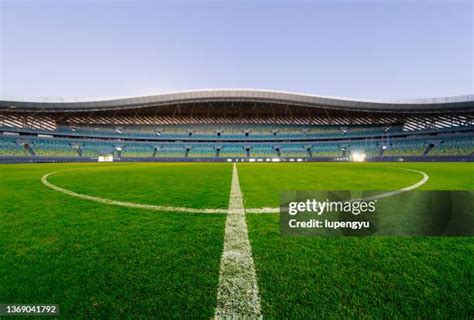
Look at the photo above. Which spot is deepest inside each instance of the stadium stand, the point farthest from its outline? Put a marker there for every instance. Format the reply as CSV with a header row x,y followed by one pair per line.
x,y
53,147
454,145
9,147
235,132
76,147
404,147
85,147
222,124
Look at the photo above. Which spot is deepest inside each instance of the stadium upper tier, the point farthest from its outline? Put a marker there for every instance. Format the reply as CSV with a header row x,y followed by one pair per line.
x,y
228,107
229,132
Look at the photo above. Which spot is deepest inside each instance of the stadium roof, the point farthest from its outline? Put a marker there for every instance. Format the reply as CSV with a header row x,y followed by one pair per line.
x,y
435,105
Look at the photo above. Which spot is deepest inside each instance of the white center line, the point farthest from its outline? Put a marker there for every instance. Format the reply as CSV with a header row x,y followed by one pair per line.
x,y
237,293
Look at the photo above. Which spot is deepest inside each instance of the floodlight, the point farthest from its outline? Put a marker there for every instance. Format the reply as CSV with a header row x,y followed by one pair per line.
x,y
358,157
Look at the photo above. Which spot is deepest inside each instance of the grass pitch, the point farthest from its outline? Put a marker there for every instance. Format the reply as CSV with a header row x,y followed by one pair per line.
x,y
262,183
168,184
379,278
102,261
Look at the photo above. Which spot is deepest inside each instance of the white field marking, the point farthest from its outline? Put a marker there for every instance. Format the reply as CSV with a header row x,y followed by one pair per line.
x,y
193,210
378,196
393,193
237,293
263,210
44,180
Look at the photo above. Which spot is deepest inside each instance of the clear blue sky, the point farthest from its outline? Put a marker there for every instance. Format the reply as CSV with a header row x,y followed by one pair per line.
x,y
372,49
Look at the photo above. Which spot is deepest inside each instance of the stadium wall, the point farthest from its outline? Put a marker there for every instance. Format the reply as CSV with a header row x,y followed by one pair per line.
x,y
39,159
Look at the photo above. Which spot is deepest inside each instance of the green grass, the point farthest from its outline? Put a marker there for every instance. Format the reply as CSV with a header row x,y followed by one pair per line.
x,y
262,183
100,261
171,184
375,278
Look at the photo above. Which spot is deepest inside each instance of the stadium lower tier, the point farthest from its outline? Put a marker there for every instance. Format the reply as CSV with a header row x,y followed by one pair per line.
x,y
60,147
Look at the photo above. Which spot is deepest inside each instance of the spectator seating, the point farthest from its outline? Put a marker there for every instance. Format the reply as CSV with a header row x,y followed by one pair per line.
x,y
9,147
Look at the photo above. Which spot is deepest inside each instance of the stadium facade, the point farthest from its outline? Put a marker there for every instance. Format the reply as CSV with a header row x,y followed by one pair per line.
x,y
243,125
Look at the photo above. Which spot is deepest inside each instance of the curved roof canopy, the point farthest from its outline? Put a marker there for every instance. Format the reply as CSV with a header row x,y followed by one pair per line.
x,y
433,105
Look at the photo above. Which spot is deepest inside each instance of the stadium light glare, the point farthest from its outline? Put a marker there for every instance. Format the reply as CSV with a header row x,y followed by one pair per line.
x,y
358,157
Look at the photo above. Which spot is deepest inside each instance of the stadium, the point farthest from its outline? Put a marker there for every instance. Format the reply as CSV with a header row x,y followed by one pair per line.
x,y
244,125
166,206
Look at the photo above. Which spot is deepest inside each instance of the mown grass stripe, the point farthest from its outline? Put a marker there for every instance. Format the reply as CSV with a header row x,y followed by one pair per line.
x,y
237,293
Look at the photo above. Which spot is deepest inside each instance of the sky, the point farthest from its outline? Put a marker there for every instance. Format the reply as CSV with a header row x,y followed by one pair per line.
x,y
379,49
